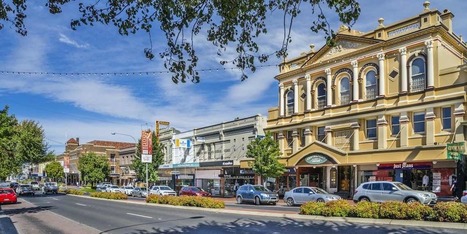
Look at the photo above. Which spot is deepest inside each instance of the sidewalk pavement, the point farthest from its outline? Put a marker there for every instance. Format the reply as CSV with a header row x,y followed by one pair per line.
x,y
6,225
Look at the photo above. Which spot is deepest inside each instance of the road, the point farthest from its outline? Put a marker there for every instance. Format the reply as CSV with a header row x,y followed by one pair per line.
x,y
102,216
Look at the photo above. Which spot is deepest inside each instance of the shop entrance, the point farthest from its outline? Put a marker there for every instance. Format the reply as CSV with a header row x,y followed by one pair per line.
x,y
312,177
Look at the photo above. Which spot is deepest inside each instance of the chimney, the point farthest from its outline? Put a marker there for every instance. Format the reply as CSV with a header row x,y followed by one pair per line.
x,y
446,18
77,140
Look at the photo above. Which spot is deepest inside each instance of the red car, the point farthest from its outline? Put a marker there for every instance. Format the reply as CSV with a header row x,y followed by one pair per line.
x,y
7,195
193,191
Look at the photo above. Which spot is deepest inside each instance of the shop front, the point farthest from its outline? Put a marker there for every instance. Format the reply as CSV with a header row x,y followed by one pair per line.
x,y
183,174
235,177
211,177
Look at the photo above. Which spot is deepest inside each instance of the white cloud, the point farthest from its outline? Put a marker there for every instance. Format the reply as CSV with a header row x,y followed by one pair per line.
x,y
63,38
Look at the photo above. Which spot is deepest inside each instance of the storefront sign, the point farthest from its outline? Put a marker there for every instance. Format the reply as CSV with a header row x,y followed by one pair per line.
x,y
239,177
405,166
165,166
185,177
217,163
316,159
455,150
245,171
179,165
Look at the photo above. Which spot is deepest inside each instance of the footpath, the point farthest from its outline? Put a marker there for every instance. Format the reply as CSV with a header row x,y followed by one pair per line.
x,y
26,216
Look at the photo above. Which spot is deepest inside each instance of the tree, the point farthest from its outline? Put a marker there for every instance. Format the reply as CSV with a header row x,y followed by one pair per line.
x,y
30,146
157,160
9,164
94,168
225,23
54,170
266,153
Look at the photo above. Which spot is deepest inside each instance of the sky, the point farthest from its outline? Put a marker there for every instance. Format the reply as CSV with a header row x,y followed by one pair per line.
x,y
91,107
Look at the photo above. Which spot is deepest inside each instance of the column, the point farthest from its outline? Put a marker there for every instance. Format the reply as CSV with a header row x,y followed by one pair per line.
x,y
281,99
296,141
430,66
328,87
403,52
459,113
430,126
355,136
355,80
281,141
404,130
382,77
308,92
295,92
382,132
308,136
328,131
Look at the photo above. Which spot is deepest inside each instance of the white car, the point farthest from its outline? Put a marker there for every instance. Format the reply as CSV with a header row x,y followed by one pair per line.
x,y
162,190
464,198
114,189
128,189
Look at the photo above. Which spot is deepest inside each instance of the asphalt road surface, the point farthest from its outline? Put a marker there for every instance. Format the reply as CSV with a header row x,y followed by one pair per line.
x,y
102,216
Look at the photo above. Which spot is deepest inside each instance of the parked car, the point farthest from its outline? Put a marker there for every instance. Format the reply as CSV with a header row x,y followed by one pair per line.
x,y
193,191
381,191
114,189
50,187
139,192
162,190
7,195
35,185
464,197
127,190
25,189
300,195
4,184
257,194
102,187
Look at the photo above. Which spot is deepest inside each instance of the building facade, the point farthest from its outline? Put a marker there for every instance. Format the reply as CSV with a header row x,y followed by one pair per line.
x,y
388,104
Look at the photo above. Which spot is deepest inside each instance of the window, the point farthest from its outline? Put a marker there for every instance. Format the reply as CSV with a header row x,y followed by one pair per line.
x,y
345,91
290,102
298,190
289,138
306,190
419,122
388,187
302,137
321,134
370,85
395,125
371,129
446,118
321,96
376,186
418,75
112,169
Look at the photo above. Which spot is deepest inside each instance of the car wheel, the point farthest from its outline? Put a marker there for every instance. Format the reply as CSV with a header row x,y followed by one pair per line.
x,y
274,203
257,201
411,200
364,199
239,200
320,200
290,201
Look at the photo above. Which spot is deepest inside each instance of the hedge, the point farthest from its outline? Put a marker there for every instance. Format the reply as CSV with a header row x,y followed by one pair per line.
x,y
204,202
107,195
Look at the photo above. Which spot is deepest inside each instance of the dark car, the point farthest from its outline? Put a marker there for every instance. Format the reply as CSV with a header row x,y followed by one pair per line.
x,y
25,189
257,194
193,191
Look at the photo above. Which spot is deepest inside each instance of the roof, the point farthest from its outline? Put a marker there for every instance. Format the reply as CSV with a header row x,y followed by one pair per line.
x,y
72,141
116,144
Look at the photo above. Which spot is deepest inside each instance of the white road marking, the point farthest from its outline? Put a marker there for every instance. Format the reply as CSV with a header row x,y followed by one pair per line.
x,y
80,204
53,198
143,216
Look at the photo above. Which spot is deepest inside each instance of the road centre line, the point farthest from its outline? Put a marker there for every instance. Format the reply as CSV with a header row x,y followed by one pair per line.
x,y
143,216
80,204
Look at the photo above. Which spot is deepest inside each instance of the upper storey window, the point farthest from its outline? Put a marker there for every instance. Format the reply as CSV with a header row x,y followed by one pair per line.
x,y
290,102
321,96
418,75
345,91
371,85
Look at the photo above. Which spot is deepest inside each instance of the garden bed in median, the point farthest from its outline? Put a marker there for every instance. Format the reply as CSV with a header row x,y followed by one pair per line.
x,y
204,202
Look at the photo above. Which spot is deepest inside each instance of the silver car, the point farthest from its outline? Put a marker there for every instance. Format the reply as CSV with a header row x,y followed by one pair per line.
x,y
300,195
381,191
162,190
139,192
257,194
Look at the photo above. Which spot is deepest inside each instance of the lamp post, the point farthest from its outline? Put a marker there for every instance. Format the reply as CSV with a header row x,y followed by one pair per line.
x,y
136,143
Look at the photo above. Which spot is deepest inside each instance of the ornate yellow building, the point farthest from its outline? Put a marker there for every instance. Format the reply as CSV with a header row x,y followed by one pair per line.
x,y
380,105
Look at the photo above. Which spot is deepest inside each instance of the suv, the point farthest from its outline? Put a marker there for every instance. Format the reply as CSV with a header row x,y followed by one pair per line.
x,y
257,194
381,191
162,190
50,187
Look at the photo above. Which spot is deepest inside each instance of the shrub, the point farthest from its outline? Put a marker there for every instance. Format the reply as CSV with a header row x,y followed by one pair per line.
x,y
74,191
418,211
366,209
393,210
339,208
204,202
450,212
312,208
107,195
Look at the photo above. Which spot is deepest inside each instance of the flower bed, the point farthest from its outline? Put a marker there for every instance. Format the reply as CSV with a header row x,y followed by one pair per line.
x,y
443,211
205,202
106,195
73,191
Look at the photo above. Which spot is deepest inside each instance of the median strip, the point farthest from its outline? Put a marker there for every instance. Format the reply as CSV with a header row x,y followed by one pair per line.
x,y
143,216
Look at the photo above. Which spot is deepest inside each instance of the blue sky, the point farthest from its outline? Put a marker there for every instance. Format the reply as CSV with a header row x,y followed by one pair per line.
x,y
92,106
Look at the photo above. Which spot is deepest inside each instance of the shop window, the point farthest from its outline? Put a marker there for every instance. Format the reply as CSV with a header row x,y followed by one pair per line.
x,y
321,134
371,129
418,75
419,122
395,125
321,96
290,102
289,138
371,88
333,178
345,91
446,115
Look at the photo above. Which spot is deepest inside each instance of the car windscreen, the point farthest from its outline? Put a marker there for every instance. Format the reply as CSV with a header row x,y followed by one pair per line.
x,y
164,188
24,186
260,188
402,186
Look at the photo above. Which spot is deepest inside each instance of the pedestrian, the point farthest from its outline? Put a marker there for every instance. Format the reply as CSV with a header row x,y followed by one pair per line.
x,y
454,186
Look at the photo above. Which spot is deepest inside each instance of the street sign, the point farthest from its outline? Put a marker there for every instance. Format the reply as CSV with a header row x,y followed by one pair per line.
x,y
175,173
146,158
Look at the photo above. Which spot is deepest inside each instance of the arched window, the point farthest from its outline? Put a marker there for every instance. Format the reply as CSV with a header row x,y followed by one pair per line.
x,y
418,75
321,96
371,89
345,91
290,102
